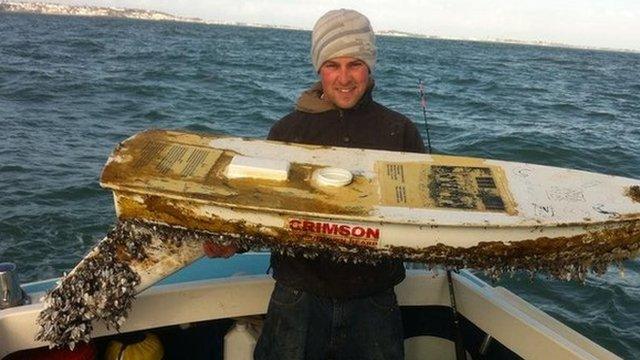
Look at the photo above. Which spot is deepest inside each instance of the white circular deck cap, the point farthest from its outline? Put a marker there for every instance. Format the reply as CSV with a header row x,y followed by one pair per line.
x,y
333,177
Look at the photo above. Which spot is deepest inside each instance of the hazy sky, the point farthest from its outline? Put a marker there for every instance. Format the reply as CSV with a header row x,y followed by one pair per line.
x,y
601,23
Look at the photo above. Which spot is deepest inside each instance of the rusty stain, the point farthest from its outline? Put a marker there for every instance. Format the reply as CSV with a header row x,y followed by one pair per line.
x,y
563,257
295,194
634,193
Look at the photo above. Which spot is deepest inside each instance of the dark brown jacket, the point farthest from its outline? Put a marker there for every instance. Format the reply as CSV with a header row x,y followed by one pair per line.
x,y
368,125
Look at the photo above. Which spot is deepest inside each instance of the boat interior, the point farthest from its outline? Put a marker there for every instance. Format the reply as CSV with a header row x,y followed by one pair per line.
x,y
191,311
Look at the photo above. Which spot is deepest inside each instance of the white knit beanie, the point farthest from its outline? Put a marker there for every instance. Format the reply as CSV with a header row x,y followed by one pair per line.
x,y
343,32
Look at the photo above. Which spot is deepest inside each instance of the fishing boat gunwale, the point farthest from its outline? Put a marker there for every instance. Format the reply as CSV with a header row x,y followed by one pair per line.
x,y
209,290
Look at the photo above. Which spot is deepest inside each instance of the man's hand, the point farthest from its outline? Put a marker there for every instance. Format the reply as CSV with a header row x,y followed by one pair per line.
x,y
213,250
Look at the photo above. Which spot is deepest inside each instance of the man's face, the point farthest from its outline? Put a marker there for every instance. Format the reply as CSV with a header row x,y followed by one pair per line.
x,y
344,80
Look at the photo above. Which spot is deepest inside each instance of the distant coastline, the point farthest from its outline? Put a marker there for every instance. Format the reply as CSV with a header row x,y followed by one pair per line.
x,y
503,41
91,11
140,14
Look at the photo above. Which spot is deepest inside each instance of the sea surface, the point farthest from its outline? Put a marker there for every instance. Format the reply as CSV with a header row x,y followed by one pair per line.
x,y
71,88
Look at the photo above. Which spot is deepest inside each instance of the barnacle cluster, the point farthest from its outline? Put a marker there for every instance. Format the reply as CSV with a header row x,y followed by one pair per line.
x,y
563,258
103,285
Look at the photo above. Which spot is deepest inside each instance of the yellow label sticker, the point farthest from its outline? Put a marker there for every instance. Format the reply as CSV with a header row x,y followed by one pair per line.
x,y
430,185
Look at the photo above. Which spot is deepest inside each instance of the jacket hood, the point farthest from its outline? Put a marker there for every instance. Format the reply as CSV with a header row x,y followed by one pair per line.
x,y
311,100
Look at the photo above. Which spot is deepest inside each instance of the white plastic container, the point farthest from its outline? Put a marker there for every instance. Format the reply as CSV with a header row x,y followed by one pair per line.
x,y
258,168
240,341
332,176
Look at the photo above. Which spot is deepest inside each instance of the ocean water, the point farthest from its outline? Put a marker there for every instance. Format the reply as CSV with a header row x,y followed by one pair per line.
x,y
71,88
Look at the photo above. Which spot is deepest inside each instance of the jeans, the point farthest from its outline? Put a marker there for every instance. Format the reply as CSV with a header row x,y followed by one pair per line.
x,y
300,325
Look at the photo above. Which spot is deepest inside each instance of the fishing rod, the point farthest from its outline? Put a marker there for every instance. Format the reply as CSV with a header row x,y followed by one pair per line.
x,y
423,104
457,331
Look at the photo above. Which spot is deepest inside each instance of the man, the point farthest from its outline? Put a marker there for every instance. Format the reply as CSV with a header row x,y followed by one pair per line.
x,y
321,309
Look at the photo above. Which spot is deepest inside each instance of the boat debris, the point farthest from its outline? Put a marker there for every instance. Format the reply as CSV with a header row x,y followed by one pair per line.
x,y
103,286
